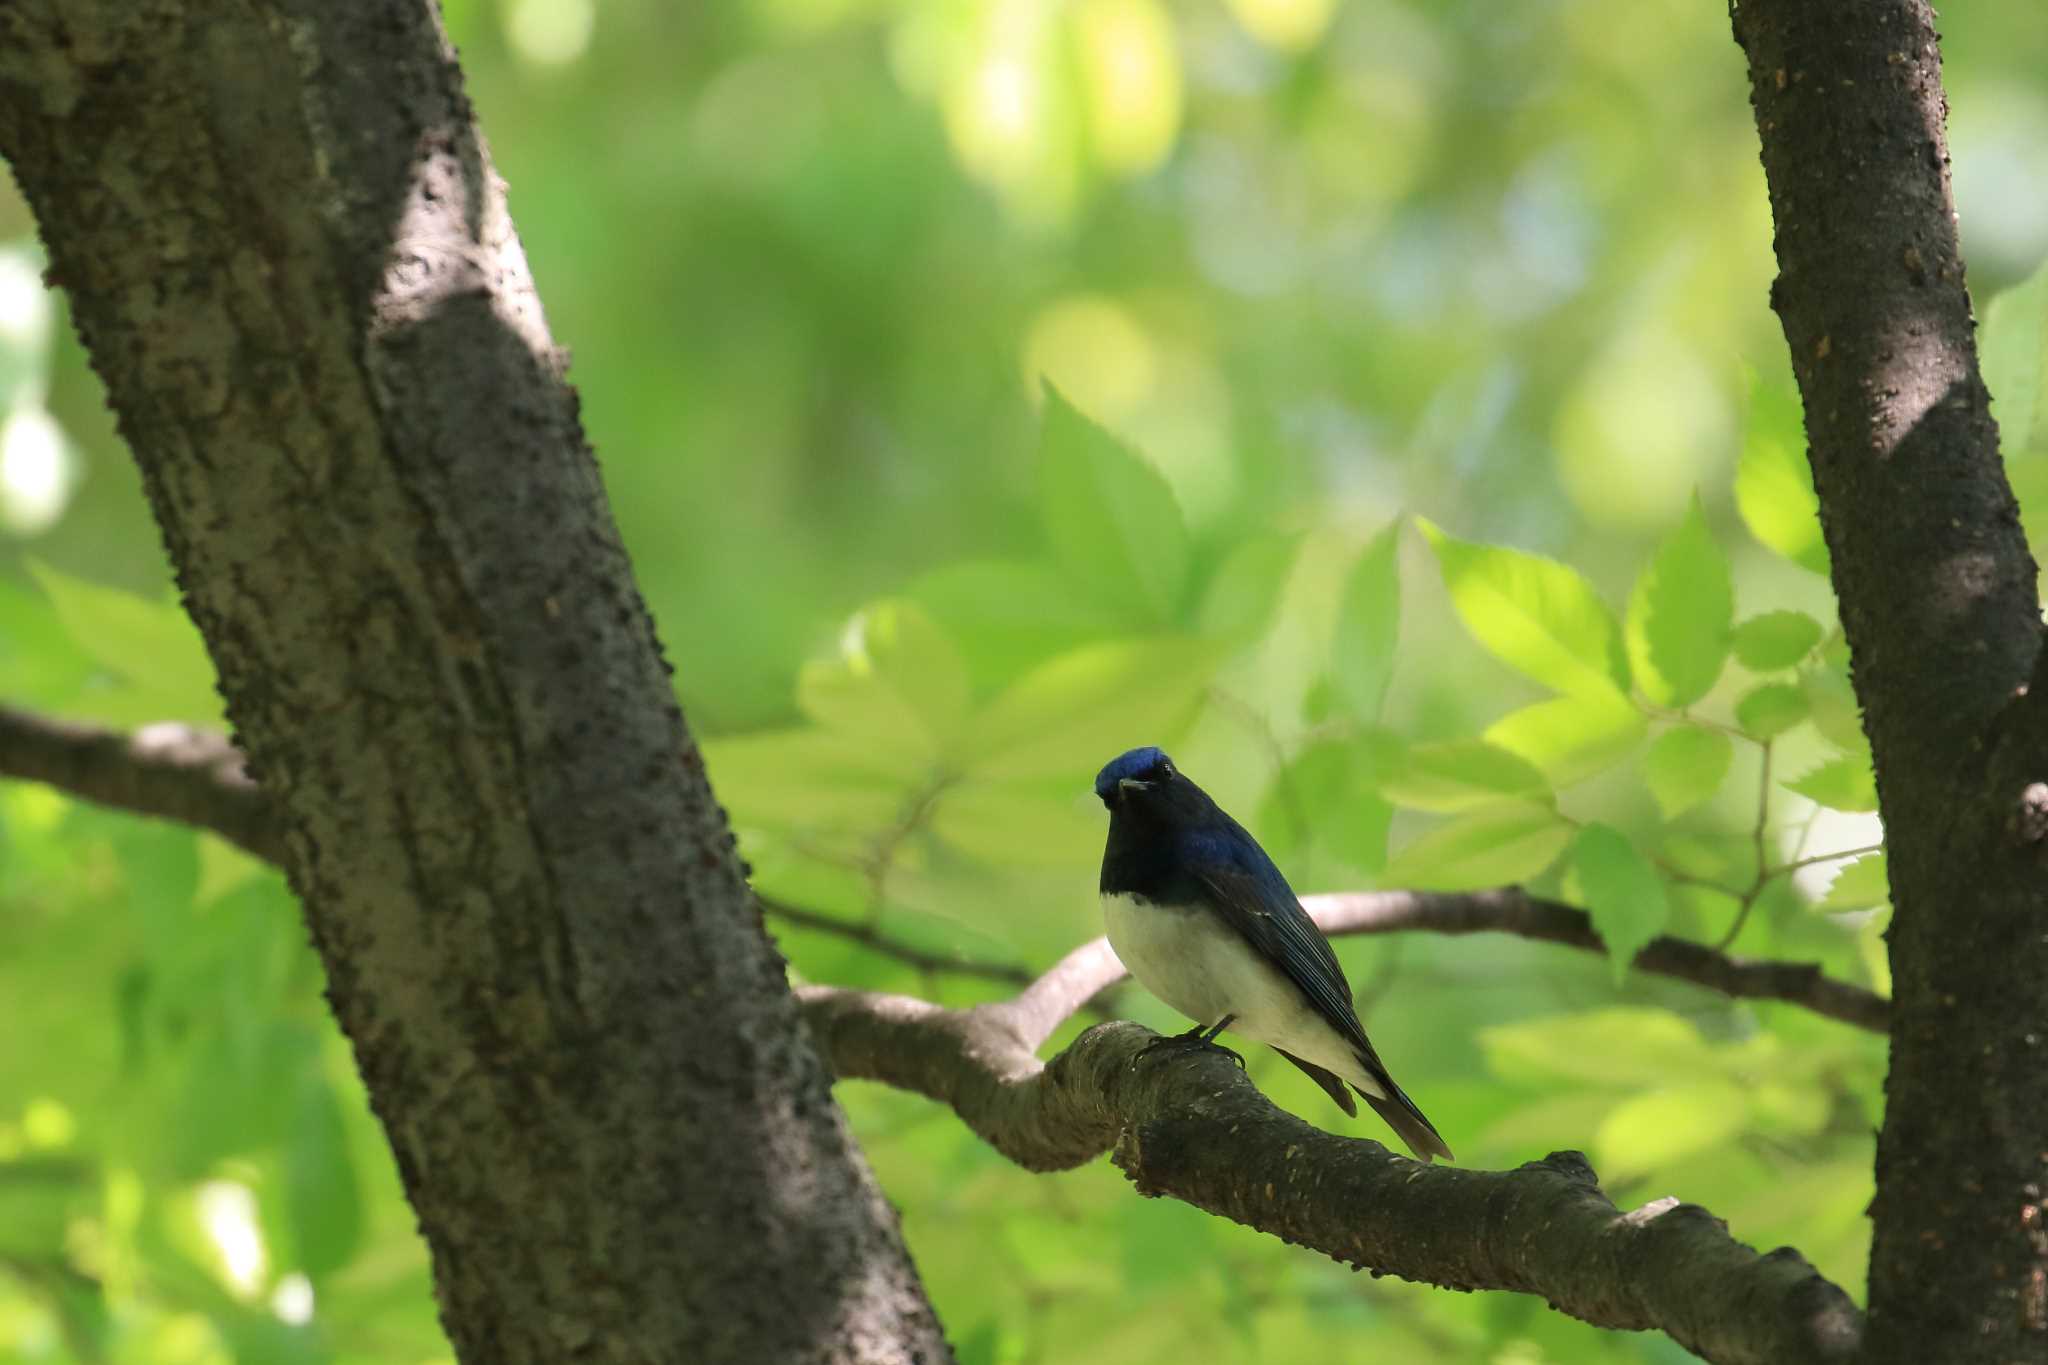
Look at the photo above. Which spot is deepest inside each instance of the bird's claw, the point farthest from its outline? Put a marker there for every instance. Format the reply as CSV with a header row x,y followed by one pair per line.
x,y
1193,1038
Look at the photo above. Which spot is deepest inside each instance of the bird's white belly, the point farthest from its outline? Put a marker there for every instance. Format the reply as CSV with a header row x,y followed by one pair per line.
x,y
1198,964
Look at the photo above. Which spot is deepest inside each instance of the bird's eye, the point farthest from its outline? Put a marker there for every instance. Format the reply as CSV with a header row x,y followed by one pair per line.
x,y
1166,767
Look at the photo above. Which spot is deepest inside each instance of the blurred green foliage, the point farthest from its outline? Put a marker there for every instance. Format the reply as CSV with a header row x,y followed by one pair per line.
x,y
1296,273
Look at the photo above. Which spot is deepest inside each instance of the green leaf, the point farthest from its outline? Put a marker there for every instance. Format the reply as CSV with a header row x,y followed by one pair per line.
x,y
1679,613
151,646
1770,710
40,664
1773,482
1859,884
1619,1048
1368,621
1461,774
1624,894
1112,520
1019,823
1068,717
1005,616
322,1193
1832,699
1570,739
2015,364
1649,1131
799,779
898,683
1243,595
1498,847
1686,766
1534,614
2027,472
1325,803
1726,858
1846,783
1776,639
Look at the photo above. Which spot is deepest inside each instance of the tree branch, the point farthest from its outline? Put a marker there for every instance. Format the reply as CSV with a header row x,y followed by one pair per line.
x,y
171,771
894,949
198,781
1189,1125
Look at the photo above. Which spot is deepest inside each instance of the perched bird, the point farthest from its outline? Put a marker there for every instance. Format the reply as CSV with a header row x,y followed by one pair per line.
x,y
1204,920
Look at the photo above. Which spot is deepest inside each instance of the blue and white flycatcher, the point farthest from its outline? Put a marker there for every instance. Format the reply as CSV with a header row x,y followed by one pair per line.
x,y
1206,922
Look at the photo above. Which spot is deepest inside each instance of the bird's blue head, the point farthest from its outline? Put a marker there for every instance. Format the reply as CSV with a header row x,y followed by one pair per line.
x,y
1146,765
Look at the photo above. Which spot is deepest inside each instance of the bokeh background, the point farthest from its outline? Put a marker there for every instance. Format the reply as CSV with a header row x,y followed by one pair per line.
x,y
1309,270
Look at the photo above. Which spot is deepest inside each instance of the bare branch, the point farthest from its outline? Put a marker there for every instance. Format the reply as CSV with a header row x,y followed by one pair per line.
x,y
1510,911
1189,1125
170,771
177,773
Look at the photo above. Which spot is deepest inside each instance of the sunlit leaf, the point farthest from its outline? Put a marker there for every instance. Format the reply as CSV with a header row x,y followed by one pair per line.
x,y
1770,710
1624,894
40,663
1859,884
151,646
1832,699
1113,521
1244,593
898,683
1020,822
1499,846
1535,614
1570,739
1620,1048
1651,1131
1846,783
1686,766
1007,615
1461,774
1679,613
1773,483
2027,472
1776,639
1725,858
322,1194
1800,1110
1326,802
794,778
2014,363
1362,651
1070,716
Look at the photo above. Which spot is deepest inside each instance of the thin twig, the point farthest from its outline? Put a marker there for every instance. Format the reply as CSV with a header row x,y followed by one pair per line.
x,y
870,937
185,775
1760,836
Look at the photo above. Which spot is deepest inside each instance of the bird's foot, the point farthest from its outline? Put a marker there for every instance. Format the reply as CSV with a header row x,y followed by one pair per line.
x,y
1197,1037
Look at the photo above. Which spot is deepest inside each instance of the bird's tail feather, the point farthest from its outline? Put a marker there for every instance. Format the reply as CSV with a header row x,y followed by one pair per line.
x,y
1332,1087
1404,1118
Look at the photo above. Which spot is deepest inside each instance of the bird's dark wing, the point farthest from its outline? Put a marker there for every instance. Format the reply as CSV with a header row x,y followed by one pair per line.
x,y
1258,903
1256,900
1242,882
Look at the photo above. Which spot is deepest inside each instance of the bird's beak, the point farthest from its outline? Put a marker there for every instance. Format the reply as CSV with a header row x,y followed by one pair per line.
x,y
1131,784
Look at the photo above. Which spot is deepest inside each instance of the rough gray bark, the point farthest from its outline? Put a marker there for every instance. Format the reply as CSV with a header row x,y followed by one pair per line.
x,y
291,263
1938,600
1190,1126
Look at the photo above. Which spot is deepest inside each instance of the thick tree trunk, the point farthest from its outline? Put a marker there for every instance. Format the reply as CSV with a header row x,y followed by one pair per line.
x,y
291,262
1938,599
